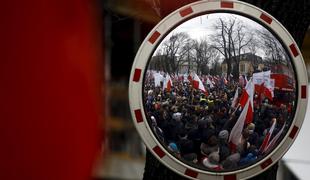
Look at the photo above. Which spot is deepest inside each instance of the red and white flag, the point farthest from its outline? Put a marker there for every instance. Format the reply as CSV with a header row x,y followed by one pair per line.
x,y
167,83
248,95
210,83
264,85
265,143
274,140
236,132
197,84
269,88
235,100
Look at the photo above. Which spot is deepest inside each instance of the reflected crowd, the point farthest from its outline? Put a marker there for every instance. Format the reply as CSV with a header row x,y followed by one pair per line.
x,y
201,127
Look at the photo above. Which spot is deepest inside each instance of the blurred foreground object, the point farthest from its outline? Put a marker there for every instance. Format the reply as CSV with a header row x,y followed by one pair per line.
x,y
50,90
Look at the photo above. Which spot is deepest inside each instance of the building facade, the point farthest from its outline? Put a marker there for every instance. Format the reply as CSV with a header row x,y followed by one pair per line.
x,y
248,63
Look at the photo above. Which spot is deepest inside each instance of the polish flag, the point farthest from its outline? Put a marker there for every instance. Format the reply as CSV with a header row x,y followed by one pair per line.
x,y
265,90
248,95
197,84
234,101
167,83
265,143
269,88
236,132
210,83
264,85
274,140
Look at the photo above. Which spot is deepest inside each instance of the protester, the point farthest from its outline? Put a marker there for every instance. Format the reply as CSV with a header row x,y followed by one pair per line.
x,y
211,124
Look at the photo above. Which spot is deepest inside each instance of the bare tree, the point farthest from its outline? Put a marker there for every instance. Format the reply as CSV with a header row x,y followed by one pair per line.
x,y
231,39
215,68
221,41
186,55
159,62
272,47
204,54
240,39
253,45
174,49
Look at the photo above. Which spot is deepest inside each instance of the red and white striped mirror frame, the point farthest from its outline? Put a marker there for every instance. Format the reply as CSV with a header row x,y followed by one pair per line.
x,y
140,65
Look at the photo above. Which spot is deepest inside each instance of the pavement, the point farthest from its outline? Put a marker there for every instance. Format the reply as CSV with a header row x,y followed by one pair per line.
x,y
297,159
120,166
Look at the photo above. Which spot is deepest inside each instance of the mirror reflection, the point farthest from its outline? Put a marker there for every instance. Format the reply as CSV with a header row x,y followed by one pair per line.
x,y
220,92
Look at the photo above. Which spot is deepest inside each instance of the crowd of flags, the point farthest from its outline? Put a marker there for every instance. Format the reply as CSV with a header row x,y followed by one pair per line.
x,y
260,83
198,82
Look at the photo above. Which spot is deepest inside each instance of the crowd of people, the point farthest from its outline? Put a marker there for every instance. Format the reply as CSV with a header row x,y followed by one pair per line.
x,y
195,126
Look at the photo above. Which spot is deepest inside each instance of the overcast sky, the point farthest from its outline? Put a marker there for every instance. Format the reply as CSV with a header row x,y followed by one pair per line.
x,y
202,26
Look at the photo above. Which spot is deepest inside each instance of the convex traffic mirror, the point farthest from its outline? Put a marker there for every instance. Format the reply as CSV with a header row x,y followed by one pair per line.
x,y
218,90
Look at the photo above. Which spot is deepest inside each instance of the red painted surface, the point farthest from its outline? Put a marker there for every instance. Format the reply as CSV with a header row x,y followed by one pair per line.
x,y
159,151
266,18
303,92
138,115
283,81
230,177
137,75
266,163
227,4
154,37
50,90
293,132
186,11
294,50
191,173
169,6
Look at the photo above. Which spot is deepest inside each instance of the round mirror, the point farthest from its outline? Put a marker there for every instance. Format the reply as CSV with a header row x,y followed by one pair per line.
x,y
214,90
